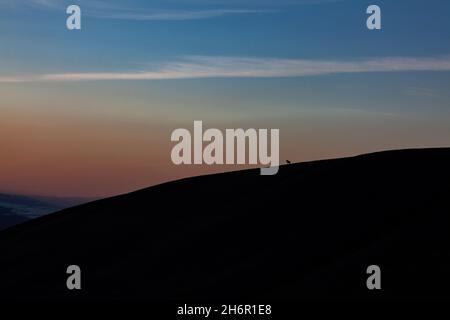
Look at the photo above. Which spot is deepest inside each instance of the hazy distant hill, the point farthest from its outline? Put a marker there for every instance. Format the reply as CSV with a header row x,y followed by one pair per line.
x,y
308,232
9,218
15,209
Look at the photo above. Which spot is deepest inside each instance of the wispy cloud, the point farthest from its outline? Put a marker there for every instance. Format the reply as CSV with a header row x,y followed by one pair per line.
x,y
235,67
254,2
158,15
111,10
109,3
422,92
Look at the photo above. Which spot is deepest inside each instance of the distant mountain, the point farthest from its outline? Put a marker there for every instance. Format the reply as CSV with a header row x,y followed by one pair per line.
x,y
15,209
8,218
309,232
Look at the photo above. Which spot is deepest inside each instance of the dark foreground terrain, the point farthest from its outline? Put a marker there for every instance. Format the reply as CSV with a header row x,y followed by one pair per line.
x,y
309,232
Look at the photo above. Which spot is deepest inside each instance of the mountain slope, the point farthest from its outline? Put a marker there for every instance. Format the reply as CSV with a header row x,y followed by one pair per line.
x,y
308,232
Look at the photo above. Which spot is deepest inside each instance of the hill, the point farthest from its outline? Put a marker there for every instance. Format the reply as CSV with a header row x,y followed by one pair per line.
x,y
309,232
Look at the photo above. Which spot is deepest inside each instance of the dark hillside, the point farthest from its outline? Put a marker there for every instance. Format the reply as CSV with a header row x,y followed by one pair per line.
x,y
310,231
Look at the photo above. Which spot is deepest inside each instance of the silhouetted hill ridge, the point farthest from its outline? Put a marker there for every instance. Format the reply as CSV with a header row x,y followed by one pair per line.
x,y
310,231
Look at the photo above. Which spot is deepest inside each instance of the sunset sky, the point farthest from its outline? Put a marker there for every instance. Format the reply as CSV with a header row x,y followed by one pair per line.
x,y
90,112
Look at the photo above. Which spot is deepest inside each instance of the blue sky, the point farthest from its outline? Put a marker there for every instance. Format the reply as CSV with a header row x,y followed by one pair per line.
x,y
127,35
100,103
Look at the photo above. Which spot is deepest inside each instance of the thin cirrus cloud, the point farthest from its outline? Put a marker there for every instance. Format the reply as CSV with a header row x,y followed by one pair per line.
x,y
235,67
101,9
161,15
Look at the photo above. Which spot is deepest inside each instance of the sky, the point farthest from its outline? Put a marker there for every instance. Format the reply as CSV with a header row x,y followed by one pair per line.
x,y
90,112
